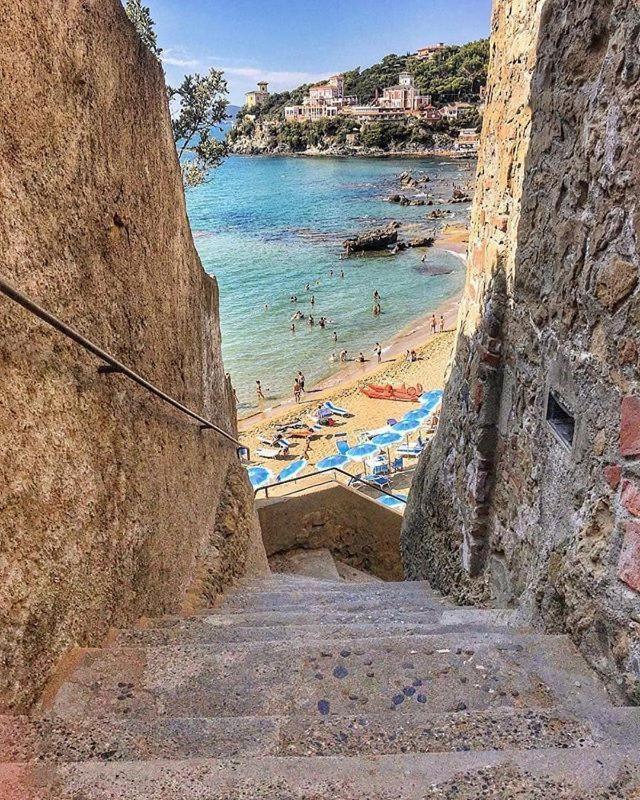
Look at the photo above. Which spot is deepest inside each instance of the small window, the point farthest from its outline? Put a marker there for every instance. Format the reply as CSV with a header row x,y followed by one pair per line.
x,y
560,420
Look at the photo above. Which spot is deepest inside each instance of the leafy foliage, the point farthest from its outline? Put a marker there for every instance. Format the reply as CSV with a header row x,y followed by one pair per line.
x,y
141,17
456,73
202,107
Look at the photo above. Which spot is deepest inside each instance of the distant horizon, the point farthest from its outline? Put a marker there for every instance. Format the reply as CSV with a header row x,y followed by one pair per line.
x,y
290,43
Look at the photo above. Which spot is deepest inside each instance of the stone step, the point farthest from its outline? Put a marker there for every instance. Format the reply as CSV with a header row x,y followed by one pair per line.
x,y
210,630
555,774
353,575
370,599
54,740
308,563
435,673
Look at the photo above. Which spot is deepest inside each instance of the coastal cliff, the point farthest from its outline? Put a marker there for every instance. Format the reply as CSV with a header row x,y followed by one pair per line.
x,y
113,505
528,494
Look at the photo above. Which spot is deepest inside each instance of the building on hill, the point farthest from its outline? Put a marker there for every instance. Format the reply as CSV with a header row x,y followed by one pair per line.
x,y
457,110
403,95
429,52
325,100
468,140
258,96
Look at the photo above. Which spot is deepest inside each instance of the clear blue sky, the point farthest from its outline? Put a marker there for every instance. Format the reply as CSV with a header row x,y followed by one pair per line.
x,y
289,42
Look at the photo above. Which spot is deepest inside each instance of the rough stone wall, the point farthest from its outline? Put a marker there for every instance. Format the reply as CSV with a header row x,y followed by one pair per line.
x,y
357,531
109,500
502,507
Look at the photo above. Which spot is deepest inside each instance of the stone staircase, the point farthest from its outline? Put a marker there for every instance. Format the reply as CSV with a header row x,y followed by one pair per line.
x,y
301,687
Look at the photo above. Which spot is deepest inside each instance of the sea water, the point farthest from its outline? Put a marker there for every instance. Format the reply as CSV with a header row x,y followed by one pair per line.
x,y
266,227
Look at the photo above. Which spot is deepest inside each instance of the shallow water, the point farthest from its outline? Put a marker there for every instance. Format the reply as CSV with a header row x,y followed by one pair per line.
x,y
265,227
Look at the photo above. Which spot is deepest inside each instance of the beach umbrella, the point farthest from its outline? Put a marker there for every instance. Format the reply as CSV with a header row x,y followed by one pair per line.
x,y
387,440
292,469
260,476
330,462
419,414
406,426
362,451
394,503
429,398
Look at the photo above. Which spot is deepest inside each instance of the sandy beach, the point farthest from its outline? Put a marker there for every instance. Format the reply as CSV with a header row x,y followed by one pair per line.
x,y
343,388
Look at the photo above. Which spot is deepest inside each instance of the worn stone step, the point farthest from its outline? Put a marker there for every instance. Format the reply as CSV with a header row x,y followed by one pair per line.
x,y
323,616
308,563
210,629
555,774
434,673
372,600
56,740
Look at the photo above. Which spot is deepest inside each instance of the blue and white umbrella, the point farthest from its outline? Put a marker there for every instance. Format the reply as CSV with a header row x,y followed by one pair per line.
x,y
362,451
419,414
292,469
331,462
431,398
387,439
406,426
260,476
394,503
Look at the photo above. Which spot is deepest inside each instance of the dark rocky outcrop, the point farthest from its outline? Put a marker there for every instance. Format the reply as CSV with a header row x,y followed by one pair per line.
x,y
374,239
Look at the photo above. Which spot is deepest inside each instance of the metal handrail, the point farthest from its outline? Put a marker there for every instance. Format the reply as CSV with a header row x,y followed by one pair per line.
x,y
323,472
113,365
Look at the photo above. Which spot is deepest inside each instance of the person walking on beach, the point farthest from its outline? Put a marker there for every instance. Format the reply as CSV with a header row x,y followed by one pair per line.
x,y
300,380
307,447
296,390
433,324
378,351
259,392
441,324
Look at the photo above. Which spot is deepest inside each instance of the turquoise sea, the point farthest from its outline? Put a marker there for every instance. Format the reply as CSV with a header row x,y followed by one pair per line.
x,y
265,227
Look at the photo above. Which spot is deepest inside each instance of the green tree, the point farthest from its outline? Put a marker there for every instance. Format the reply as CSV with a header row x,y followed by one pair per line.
x,y
202,102
141,17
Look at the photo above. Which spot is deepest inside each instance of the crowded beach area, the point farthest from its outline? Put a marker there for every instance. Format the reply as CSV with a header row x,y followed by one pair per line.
x,y
372,419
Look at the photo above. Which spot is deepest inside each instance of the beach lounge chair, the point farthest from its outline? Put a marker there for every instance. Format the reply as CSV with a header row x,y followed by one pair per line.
x,y
381,481
410,450
398,464
340,412
273,441
270,453
342,446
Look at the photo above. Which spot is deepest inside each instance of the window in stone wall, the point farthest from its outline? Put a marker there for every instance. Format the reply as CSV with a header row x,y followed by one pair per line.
x,y
561,421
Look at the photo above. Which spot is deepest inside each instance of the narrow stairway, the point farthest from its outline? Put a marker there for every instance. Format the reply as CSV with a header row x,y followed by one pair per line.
x,y
301,687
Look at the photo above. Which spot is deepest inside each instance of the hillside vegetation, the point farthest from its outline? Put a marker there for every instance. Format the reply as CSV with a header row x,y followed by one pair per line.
x,y
458,73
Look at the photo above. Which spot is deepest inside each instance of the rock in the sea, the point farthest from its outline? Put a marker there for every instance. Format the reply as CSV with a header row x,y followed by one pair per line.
x,y
374,239
422,241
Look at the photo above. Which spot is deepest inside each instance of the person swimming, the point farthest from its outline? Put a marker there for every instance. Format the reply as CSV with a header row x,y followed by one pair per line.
x,y
335,337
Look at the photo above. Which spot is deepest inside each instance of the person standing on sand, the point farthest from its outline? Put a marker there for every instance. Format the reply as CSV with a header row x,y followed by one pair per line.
x,y
441,324
433,324
307,447
300,380
378,351
259,392
296,391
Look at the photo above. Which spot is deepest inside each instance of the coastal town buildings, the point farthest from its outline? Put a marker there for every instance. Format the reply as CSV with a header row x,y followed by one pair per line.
x,y
325,100
257,96
429,52
328,100
456,110
468,140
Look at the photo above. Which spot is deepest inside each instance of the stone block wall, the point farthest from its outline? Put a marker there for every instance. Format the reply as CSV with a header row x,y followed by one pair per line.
x,y
112,504
530,492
